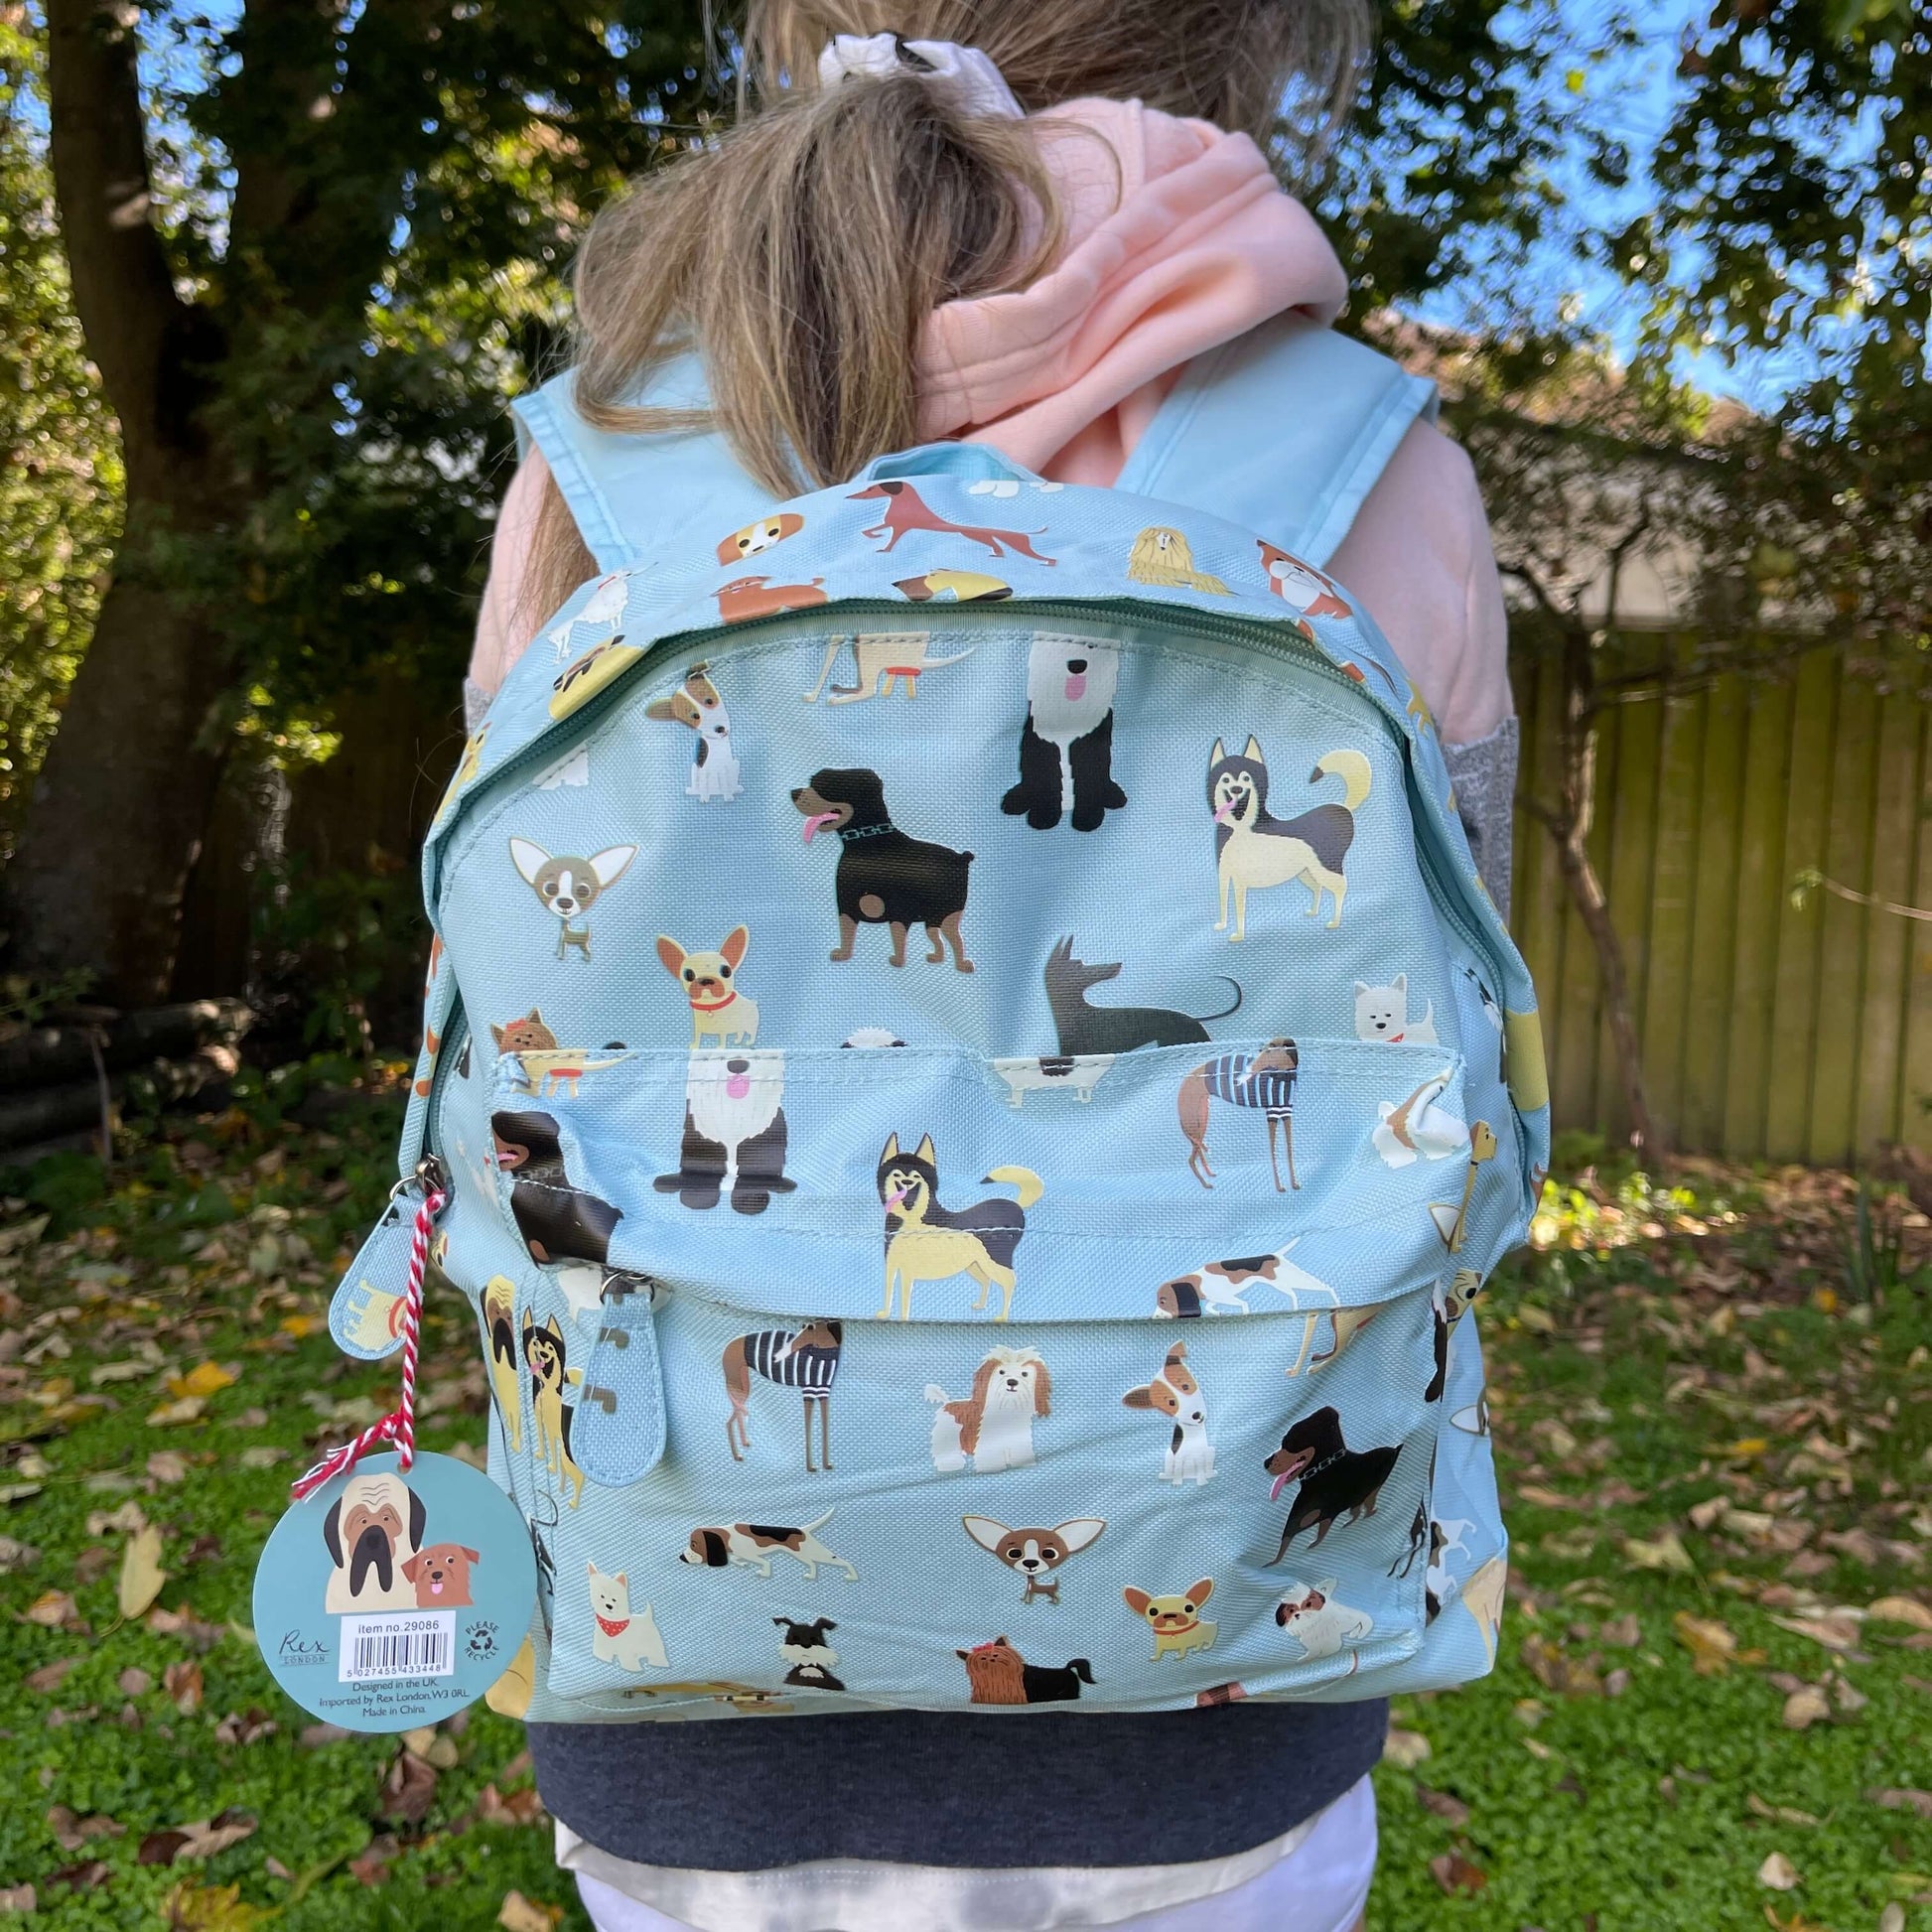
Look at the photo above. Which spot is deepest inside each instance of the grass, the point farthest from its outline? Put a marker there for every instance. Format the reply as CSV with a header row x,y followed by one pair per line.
x,y
1710,1408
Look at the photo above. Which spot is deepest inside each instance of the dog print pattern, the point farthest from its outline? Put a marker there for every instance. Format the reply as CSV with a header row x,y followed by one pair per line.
x,y
593,1410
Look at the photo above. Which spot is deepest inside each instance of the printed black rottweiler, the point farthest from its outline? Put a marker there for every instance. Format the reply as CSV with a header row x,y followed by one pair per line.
x,y
884,876
1335,1481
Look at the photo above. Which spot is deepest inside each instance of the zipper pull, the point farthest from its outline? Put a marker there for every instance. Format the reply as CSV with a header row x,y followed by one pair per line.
x,y
365,1315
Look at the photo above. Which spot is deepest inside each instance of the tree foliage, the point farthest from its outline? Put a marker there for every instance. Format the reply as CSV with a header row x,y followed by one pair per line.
x,y
60,467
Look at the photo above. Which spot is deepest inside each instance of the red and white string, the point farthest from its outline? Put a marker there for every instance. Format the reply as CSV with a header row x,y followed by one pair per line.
x,y
399,1425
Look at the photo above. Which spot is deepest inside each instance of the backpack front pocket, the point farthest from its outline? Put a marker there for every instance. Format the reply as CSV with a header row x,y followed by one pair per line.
x,y
977,1380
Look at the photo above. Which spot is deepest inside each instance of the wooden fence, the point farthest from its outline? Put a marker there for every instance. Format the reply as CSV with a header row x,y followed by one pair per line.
x,y
1770,1029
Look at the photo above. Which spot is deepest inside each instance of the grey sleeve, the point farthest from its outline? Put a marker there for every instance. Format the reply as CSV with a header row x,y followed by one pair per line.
x,y
1485,776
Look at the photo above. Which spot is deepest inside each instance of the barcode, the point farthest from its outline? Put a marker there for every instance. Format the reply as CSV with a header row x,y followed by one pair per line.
x,y
422,1644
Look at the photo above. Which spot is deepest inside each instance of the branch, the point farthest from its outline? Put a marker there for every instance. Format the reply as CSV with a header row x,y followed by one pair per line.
x,y
1524,574
1806,882
123,290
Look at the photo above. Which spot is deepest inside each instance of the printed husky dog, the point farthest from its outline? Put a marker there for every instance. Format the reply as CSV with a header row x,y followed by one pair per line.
x,y
1066,748
734,1132
1084,1029
926,1242
1255,849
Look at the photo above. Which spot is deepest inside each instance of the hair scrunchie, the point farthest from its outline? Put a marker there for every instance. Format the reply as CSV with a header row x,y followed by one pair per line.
x,y
965,74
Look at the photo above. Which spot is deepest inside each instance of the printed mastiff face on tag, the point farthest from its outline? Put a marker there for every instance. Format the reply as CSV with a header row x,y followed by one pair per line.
x,y
387,1602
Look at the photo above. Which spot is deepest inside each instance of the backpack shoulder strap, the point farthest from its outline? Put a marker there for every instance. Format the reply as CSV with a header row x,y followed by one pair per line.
x,y
1283,431
633,496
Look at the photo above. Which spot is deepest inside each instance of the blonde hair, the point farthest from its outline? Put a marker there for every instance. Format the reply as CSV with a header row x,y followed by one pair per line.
x,y
801,253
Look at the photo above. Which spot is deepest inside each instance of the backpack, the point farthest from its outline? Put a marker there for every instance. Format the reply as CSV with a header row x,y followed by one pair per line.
x,y
977,1084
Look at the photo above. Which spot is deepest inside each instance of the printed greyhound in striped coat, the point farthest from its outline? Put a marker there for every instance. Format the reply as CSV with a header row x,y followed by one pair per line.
x,y
1263,1081
807,1360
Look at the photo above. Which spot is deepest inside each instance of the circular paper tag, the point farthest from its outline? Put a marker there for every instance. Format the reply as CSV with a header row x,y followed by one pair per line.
x,y
385,1601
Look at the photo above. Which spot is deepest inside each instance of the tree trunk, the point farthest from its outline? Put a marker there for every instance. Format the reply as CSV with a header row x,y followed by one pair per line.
x,y
1569,826
117,812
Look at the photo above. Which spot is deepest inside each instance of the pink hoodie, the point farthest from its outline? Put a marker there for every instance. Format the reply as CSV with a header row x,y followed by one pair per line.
x,y
1177,239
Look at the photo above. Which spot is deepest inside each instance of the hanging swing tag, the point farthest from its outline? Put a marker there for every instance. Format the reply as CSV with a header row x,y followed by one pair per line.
x,y
386,1600
397,1588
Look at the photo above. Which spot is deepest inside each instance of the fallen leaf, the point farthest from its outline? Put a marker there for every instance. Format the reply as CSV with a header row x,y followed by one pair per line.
x,y
53,1610
168,1466
141,1572
1778,1872
1783,1814
520,1914
17,1556
134,1681
1708,1641
183,1683
70,1832
1664,1553
124,1521
1556,1670
1444,1805
172,1415
84,1876
182,1623
1836,1630
523,1807
371,1866
50,1675
1903,1800
209,1908
1547,1498
260,1455
203,1380
1704,1514
245,1727
312,1736
24,1900
1624,1631
1891,1609
1804,1708
409,1790
1454,1874
200,1840
1404,1750
1616,1681
1891,1919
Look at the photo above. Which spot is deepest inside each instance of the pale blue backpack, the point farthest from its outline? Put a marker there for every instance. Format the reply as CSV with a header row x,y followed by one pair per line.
x,y
977,1084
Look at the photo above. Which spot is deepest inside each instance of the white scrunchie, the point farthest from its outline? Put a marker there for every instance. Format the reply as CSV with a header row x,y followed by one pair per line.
x,y
968,75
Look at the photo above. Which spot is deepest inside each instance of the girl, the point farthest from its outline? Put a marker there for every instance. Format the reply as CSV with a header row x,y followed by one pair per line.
x,y
1014,221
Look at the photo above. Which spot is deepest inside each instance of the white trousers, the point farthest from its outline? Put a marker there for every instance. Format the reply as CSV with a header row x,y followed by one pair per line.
x,y
1321,1884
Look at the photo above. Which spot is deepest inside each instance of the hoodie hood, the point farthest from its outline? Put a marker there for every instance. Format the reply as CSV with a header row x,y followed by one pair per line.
x,y
1177,238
